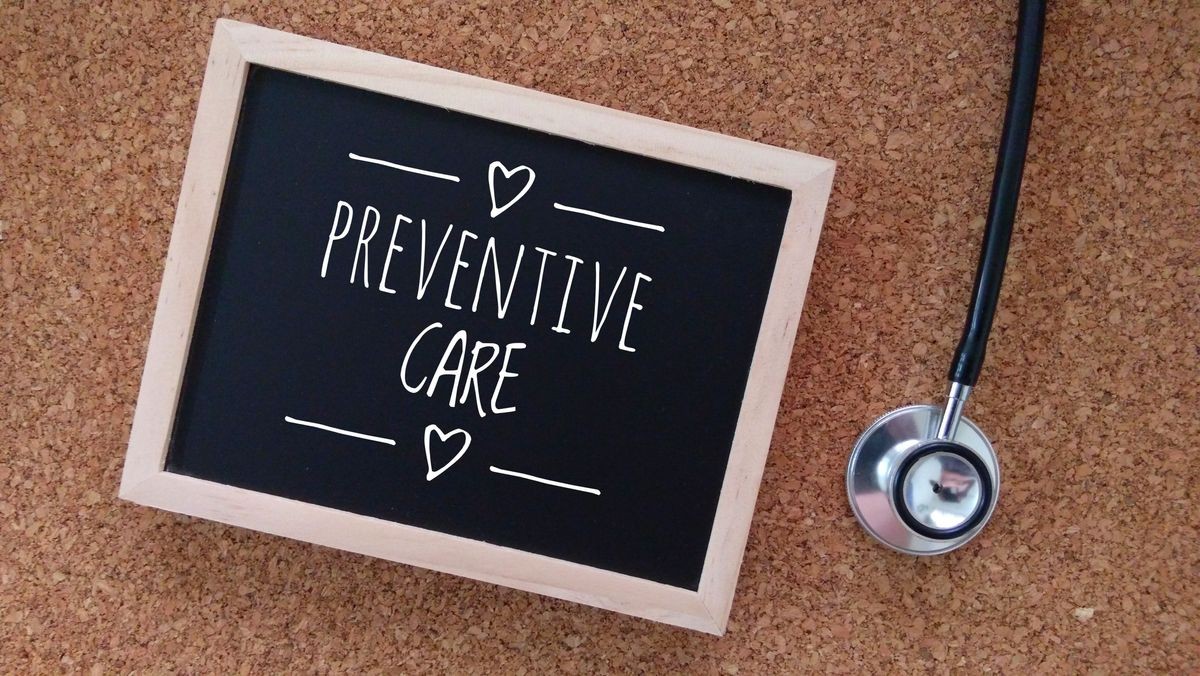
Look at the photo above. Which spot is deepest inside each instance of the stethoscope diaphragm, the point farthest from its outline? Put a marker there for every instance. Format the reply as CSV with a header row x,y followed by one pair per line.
x,y
919,494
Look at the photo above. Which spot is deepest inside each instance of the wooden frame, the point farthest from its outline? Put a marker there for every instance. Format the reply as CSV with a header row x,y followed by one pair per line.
x,y
237,45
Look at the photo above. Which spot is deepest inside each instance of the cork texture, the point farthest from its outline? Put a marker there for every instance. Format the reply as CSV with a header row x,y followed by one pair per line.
x,y
1090,392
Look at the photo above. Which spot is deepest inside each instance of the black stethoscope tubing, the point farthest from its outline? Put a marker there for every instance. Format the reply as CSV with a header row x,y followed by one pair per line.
x,y
1006,187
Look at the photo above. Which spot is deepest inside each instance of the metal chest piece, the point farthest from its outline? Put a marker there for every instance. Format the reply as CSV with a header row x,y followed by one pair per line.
x,y
918,493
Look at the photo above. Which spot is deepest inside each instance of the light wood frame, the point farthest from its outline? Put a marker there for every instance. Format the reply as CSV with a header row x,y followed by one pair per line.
x,y
237,45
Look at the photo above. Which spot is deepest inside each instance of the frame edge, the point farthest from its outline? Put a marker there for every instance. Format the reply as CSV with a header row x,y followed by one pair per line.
x,y
187,257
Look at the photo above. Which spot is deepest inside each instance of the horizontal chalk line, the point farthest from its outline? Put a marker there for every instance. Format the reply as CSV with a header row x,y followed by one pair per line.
x,y
614,219
548,482
338,430
401,167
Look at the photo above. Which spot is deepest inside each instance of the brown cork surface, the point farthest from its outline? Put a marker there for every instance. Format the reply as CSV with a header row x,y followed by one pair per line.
x,y
1090,393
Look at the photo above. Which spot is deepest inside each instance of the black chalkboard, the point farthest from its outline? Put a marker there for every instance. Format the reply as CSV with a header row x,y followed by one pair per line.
x,y
302,362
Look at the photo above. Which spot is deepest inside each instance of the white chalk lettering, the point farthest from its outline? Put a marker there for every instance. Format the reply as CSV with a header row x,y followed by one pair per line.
x,y
473,371
505,373
423,277
459,263
489,253
408,354
633,305
541,276
333,233
362,244
597,319
392,248
562,313
469,379
456,346
511,282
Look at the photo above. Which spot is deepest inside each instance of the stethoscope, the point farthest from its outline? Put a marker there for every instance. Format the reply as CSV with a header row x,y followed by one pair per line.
x,y
923,479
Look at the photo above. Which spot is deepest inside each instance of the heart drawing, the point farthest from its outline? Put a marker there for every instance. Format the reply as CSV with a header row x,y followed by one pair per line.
x,y
442,438
508,173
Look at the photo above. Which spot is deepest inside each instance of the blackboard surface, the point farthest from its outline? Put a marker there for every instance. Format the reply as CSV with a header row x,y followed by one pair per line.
x,y
635,442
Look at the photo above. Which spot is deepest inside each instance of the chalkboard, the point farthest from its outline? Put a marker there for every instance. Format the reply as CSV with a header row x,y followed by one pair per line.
x,y
479,329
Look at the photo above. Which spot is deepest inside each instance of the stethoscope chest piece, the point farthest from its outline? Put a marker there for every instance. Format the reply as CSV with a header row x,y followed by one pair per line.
x,y
918,493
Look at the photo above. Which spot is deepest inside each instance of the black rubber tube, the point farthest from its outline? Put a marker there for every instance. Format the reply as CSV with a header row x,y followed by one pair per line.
x,y
1006,187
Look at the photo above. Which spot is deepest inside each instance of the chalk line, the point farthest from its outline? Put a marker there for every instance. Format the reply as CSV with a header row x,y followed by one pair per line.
x,y
338,430
401,167
548,482
614,219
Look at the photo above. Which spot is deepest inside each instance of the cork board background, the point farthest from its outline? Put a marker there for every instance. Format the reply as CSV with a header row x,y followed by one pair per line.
x,y
1090,392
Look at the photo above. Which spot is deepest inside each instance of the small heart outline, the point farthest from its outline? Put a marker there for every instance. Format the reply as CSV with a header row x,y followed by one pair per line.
x,y
508,173
432,474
